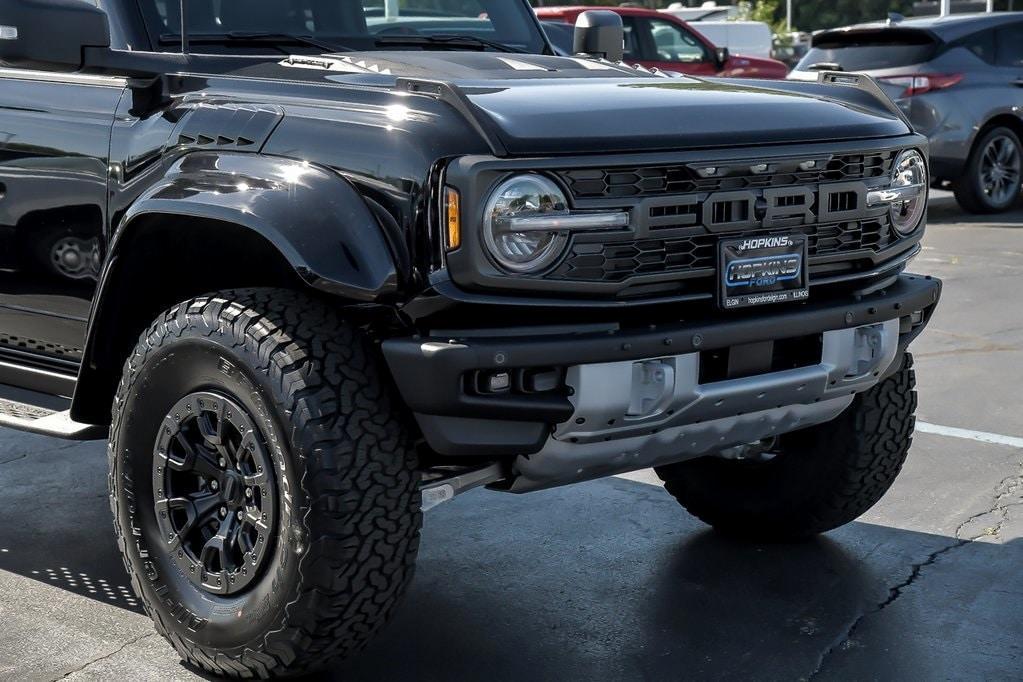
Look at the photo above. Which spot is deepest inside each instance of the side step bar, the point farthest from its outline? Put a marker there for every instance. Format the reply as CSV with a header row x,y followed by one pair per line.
x,y
43,414
441,484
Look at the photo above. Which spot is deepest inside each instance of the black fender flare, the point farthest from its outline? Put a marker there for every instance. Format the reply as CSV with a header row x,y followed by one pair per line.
x,y
319,222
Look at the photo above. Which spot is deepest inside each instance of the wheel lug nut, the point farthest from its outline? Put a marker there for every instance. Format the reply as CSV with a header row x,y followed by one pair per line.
x,y
223,511
214,485
248,492
241,515
223,462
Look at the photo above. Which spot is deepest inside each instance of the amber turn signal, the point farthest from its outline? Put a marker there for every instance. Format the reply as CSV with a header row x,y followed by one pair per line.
x,y
453,214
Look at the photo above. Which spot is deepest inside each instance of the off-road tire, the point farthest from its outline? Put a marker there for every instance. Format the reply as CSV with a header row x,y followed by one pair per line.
x,y
968,188
348,532
821,477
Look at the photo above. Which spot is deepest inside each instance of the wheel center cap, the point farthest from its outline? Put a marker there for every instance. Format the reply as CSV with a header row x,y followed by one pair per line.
x,y
234,488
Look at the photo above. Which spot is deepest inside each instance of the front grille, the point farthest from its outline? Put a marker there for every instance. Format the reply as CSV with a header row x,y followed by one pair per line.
x,y
609,183
618,261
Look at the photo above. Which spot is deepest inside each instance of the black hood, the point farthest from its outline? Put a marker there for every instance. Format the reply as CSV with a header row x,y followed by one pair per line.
x,y
537,104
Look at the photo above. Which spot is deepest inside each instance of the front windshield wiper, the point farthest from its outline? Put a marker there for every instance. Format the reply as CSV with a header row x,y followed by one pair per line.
x,y
825,66
453,41
254,37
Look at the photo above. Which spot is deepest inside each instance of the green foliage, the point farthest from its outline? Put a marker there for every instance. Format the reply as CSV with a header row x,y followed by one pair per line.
x,y
771,12
810,15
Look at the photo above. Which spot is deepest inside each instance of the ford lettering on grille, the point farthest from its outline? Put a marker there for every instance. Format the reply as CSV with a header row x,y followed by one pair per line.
x,y
769,207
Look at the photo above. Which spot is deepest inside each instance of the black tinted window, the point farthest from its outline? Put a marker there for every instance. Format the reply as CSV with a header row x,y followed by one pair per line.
x,y
1010,45
868,50
350,22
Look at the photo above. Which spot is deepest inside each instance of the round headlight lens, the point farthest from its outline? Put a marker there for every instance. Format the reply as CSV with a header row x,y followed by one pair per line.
x,y
524,196
910,170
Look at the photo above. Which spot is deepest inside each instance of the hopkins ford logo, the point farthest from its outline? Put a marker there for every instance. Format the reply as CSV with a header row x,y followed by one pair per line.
x,y
765,270
764,243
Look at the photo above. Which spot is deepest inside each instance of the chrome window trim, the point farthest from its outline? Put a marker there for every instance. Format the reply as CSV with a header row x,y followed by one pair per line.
x,y
69,78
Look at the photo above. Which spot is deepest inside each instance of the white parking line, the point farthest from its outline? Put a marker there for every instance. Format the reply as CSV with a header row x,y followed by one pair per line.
x,y
968,434
650,478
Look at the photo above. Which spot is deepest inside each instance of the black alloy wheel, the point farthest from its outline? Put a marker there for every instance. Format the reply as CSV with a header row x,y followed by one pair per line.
x,y
215,492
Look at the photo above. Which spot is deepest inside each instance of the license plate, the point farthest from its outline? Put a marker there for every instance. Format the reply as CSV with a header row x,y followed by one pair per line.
x,y
762,270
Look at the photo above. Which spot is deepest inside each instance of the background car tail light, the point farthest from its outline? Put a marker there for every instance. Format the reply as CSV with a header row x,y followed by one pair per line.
x,y
918,84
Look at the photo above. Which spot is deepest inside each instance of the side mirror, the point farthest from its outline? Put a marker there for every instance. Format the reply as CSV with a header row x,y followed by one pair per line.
x,y
600,33
50,35
723,55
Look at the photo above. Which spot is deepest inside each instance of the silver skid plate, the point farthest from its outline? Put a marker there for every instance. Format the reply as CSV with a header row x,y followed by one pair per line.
x,y
633,415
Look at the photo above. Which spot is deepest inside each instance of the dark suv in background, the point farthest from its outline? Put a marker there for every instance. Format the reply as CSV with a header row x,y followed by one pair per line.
x,y
959,79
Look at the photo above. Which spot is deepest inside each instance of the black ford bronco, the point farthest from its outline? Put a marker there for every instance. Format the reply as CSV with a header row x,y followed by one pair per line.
x,y
316,265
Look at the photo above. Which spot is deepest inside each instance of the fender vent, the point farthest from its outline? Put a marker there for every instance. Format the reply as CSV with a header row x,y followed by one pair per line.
x,y
231,126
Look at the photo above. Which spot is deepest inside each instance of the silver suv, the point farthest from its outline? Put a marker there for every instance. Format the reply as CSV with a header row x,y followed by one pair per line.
x,y
959,79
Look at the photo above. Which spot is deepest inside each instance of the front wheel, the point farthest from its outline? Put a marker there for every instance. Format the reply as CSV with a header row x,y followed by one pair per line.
x,y
263,485
811,481
993,176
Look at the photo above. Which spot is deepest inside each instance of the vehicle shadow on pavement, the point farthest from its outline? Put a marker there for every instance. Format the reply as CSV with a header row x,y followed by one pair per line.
x,y
611,580
603,580
56,525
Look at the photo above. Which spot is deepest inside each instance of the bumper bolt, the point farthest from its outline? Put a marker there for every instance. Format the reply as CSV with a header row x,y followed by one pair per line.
x,y
697,340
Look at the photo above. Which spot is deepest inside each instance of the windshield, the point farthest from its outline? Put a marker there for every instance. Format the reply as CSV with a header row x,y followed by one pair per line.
x,y
866,51
345,24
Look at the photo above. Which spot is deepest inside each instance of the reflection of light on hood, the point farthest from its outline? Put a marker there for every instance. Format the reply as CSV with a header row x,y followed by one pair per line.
x,y
397,112
294,172
243,187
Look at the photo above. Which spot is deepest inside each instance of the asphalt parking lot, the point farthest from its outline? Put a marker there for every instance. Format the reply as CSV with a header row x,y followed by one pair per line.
x,y
611,580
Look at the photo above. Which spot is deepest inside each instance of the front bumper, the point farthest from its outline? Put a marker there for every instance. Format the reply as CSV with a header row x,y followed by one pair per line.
x,y
592,426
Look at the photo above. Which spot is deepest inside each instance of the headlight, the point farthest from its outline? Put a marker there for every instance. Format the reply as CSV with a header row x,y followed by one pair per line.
x,y
525,196
527,221
907,193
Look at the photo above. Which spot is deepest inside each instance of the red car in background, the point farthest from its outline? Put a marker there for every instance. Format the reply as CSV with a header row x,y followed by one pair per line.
x,y
657,39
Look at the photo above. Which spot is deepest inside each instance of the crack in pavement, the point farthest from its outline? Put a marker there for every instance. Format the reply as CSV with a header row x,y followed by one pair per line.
x,y
104,657
13,459
1006,489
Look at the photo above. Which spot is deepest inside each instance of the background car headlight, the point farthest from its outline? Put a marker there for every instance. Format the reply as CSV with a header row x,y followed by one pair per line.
x,y
908,191
517,244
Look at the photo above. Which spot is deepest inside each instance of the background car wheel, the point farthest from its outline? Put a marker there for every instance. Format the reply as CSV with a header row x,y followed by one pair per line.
x,y
263,485
812,480
993,176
